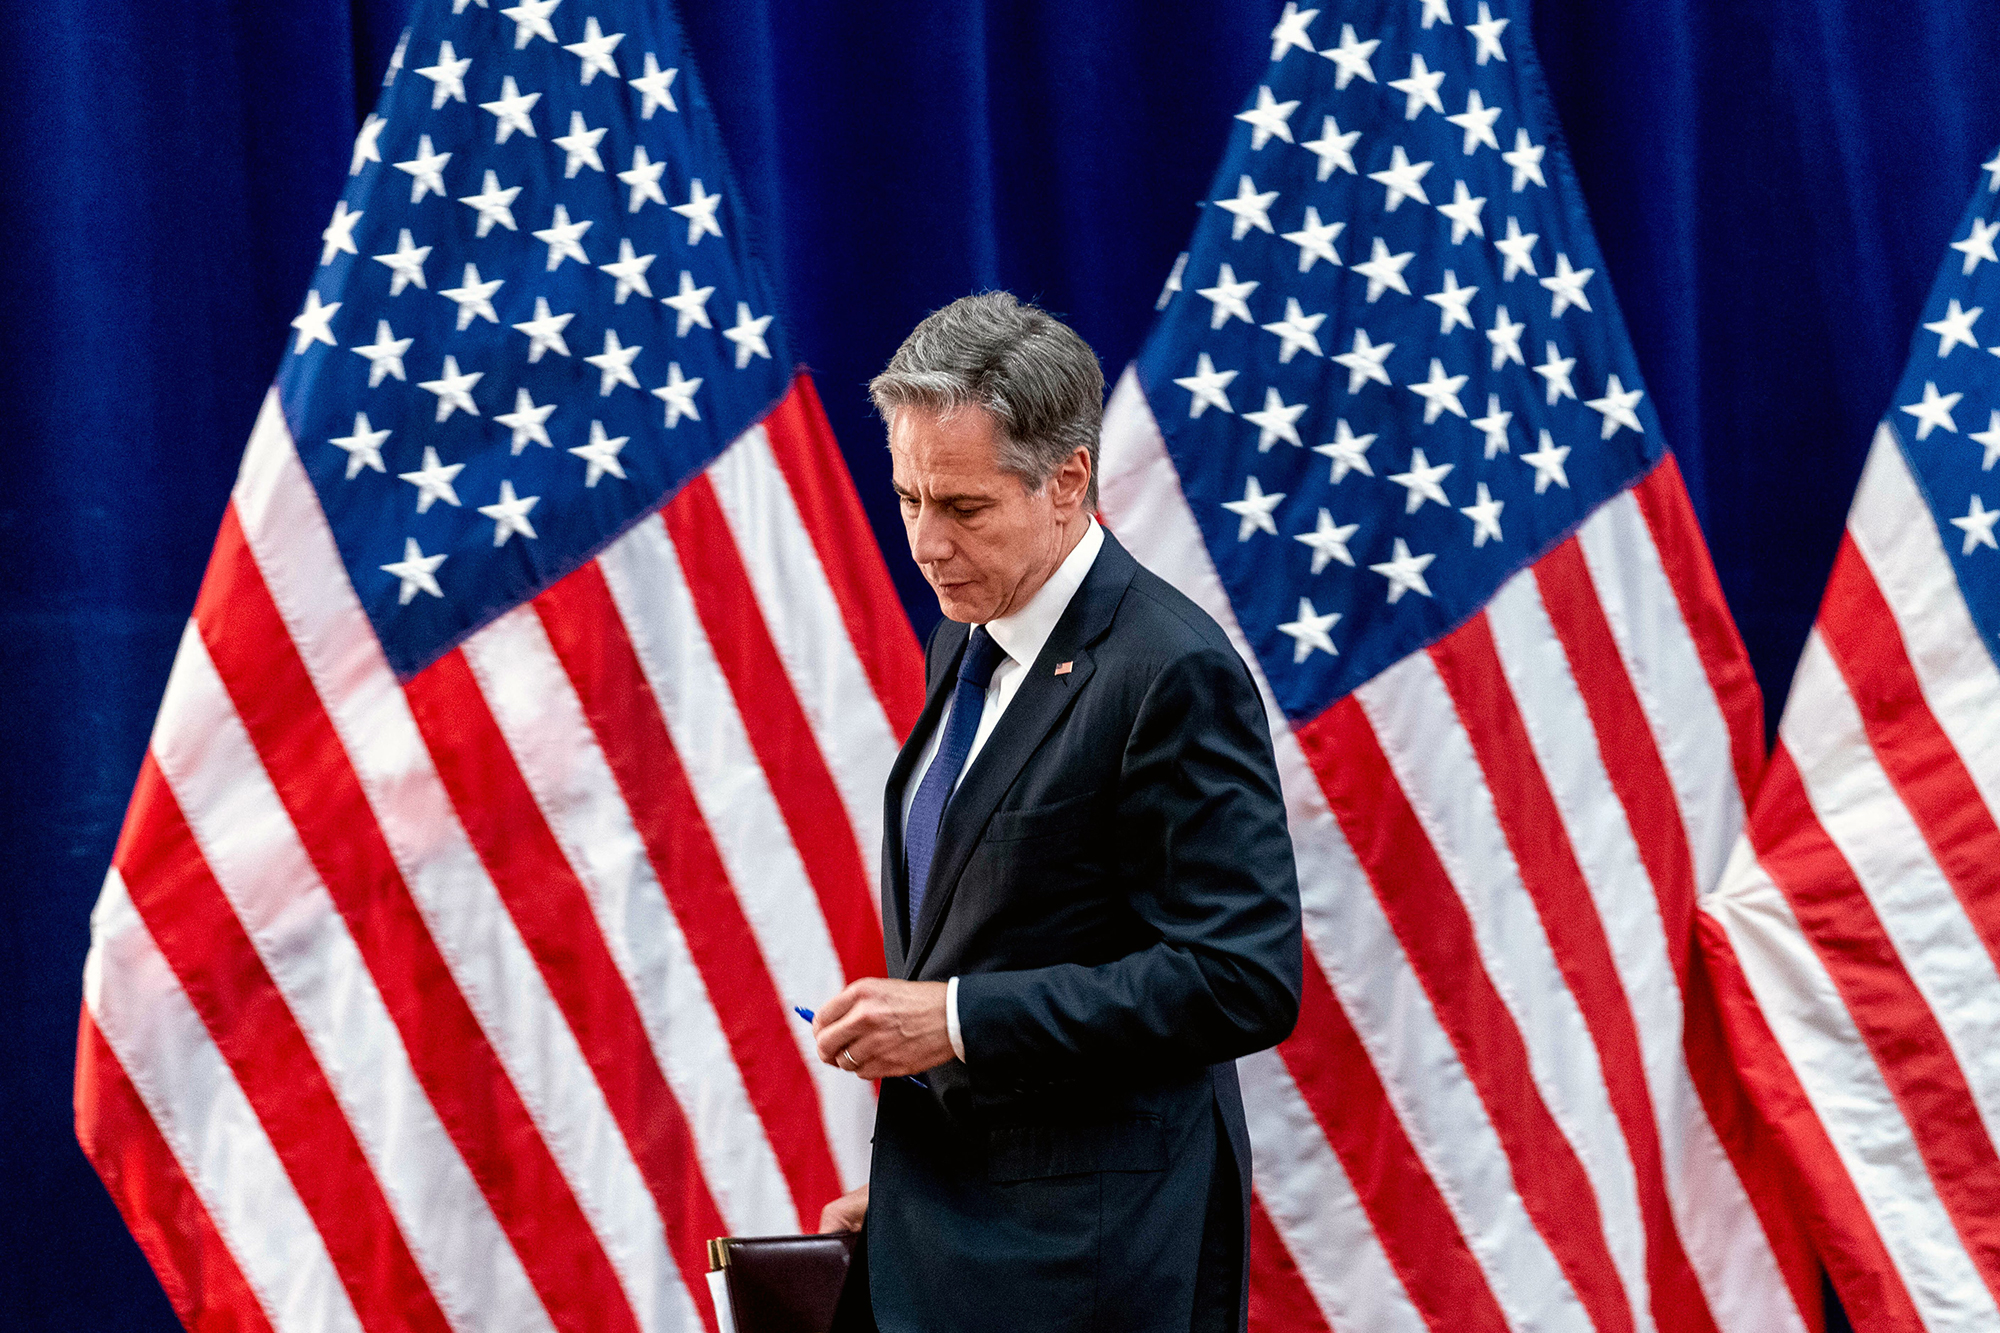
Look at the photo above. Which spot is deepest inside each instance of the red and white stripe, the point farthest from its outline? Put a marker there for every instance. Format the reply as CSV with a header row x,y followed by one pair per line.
x,y
1859,924
464,1003
1507,1104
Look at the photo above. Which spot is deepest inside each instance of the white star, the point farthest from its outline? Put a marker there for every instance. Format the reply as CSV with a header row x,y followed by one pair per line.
x,y
699,210
1269,117
1333,148
595,51
1420,483
1439,392
581,146
366,144
364,446
339,234
565,240
630,271
1364,360
1309,631
1485,517
453,390
447,76
527,421
474,298
1296,330
1405,572
1434,11
433,481
1566,284
511,109
614,364
1487,33
1505,335
1990,437
1547,461
1276,422
426,170
312,323
1248,209
1291,30
1978,245
1173,282
1384,270
1955,328
510,514
1519,250
1348,451
1420,89
1494,424
748,335
531,20
407,264
1934,410
545,331
644,179
1555,372
1452,302
602,454
691,305
1254,510
384,355
1993,169
1329,541
1477,122
1402,179
678,394
1977,525
1463,210
1616,407
416,570
1351,57
1526,159
656,87
493,204
1207,384
1226,298
1315,241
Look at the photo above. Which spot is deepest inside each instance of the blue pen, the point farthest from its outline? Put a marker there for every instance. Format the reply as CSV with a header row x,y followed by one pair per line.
x,y
807,1014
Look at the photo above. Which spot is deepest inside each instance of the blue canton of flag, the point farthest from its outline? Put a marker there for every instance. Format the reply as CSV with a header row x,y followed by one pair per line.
x,y
1953,470
1390,371
535,314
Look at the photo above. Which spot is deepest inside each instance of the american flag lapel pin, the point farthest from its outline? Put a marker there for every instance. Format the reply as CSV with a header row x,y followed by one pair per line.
x,y
1062,668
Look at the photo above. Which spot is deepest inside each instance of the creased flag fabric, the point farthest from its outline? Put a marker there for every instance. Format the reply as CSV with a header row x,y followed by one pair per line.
x,y
1858,925
521,763
1389,430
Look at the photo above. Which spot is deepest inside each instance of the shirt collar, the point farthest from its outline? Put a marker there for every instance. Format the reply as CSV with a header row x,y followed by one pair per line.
x,y
1022,633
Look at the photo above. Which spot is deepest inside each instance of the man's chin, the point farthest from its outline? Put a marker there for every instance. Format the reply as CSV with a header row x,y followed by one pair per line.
x,y
956,605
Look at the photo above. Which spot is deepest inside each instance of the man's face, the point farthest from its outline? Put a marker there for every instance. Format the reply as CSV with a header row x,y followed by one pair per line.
x,y
984,541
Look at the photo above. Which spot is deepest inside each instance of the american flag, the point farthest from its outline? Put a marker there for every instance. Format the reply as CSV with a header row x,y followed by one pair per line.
x,y
521,763
1858,923
1390,432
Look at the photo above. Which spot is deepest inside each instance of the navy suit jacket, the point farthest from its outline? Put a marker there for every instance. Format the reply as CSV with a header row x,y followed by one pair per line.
x,y
1114,887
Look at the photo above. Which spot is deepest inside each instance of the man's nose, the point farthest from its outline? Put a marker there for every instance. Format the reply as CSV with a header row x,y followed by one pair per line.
x,y
930,542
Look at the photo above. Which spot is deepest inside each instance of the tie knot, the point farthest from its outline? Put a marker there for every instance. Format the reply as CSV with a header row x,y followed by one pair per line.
x,y
982,656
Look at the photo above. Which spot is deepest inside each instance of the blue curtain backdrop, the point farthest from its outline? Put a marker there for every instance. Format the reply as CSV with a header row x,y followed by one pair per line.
x,y
1773,183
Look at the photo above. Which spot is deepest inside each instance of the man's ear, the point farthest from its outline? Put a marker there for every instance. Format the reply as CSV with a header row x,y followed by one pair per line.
x,y
1072,480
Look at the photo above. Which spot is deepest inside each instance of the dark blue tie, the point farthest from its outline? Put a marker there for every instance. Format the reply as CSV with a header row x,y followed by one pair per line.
x,y
968,700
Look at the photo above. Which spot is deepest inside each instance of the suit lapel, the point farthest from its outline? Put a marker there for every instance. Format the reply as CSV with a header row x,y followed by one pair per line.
x,y
945,651
1041,700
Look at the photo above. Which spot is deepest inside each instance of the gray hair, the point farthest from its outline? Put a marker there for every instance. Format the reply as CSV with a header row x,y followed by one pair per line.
x,y
1040,381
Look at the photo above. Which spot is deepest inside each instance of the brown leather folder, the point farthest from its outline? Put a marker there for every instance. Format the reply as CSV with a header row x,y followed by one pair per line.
x,y
778,1284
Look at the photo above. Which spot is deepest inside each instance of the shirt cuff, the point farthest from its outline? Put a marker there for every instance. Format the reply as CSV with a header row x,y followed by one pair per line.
x,y
951,1018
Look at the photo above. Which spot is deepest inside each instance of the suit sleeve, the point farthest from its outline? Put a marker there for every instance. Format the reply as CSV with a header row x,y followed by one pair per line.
x,y
1207,864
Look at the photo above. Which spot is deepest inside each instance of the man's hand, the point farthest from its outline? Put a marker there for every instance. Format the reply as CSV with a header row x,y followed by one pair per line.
x,y
845,1213
879,1028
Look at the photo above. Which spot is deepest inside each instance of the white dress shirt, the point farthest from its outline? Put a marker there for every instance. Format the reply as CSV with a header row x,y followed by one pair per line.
x,y
1021,635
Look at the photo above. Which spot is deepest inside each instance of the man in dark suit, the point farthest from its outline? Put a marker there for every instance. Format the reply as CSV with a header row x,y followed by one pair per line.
x,y
1088,897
